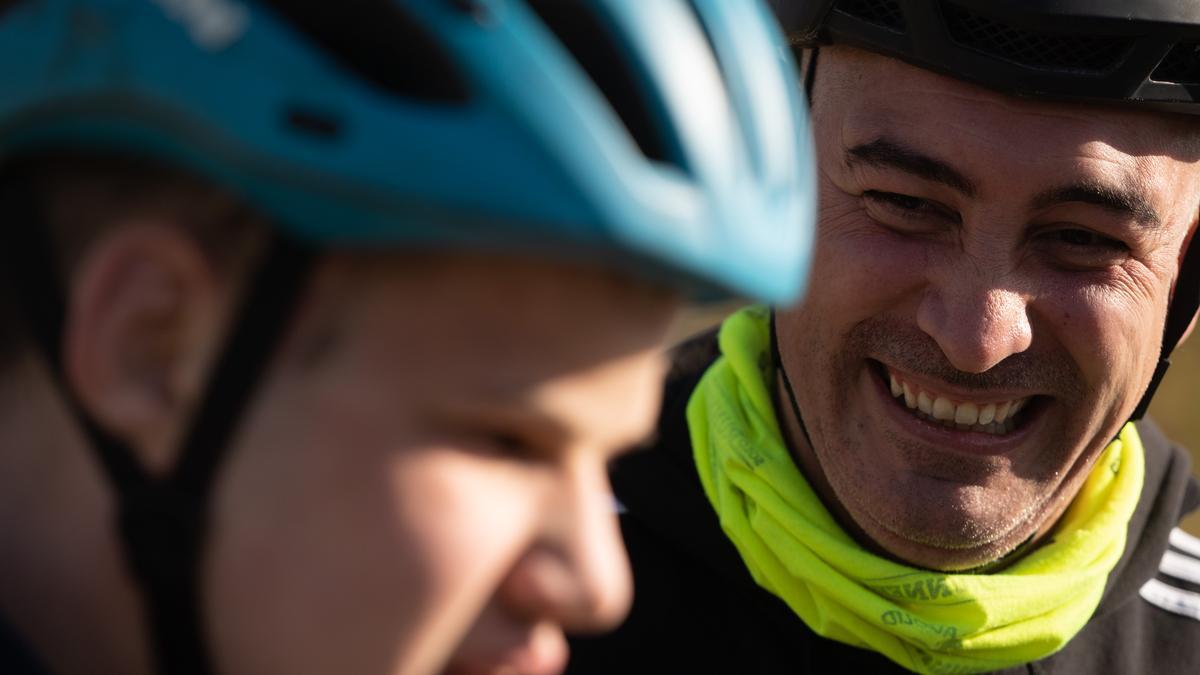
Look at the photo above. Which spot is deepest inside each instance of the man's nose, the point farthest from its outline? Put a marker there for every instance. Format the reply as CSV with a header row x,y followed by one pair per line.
x,y
976,326
577,574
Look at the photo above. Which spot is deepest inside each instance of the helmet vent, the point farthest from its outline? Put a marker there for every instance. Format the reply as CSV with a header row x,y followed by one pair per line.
x,y
1181,65
591,42
379,42
883,13
313,123
1033,49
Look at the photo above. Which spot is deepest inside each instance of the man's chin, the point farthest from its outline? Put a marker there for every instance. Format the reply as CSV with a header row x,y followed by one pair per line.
x,y
950,538
922,500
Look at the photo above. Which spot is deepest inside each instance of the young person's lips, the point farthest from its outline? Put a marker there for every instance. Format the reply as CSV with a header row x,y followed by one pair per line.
x,y
969,441
535,650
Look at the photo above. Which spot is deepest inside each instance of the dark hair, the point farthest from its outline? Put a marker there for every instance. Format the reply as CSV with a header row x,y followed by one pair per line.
x,y
78,195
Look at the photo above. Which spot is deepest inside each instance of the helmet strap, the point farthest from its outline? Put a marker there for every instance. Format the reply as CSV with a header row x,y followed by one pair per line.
x,y
162,521
777,363
810,73
1185,300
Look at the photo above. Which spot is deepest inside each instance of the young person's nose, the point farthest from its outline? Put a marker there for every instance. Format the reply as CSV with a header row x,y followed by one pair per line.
x,y
576,574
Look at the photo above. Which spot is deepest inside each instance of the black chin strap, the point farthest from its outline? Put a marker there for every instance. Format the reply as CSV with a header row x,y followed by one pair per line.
x,y
1184,301
777,363
810,77
810,73
163,521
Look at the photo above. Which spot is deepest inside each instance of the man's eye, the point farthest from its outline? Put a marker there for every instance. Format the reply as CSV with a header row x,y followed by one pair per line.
x,y
1086,238
906,213
900,201
1079,248
909,207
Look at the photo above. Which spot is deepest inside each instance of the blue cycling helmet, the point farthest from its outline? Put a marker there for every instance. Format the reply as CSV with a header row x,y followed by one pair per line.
x,y
664,133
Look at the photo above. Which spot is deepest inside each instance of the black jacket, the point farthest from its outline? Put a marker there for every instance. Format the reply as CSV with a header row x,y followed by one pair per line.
x,y
697,610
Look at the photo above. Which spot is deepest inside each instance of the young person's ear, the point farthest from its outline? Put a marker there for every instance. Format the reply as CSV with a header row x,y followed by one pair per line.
x,y
142,321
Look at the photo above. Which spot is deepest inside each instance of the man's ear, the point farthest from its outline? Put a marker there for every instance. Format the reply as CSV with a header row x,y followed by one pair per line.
x,y
1187,333
143,318
1187,243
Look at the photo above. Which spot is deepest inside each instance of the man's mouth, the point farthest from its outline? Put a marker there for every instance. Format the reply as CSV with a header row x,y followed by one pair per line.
x,y
985,415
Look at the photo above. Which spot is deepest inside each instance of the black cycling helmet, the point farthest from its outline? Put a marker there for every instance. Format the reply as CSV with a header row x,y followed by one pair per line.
x,y
1139,53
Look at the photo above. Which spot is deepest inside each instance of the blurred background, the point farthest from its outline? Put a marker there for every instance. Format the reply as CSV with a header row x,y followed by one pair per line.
x,y
1175,409
1175,406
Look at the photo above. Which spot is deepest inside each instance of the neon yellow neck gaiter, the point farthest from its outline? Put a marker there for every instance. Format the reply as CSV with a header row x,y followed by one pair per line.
x,y
926,621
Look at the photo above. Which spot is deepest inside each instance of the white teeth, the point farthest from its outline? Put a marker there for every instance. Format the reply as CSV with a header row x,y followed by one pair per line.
x,y
989,418
966,413
925,403
943,409
1002,411
987,413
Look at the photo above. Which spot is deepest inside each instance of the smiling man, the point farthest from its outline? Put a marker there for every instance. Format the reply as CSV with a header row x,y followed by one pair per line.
x,y
936,463
1011,267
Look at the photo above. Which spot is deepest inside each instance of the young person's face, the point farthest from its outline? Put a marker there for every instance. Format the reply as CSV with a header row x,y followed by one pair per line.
x,y
422,481
1007,261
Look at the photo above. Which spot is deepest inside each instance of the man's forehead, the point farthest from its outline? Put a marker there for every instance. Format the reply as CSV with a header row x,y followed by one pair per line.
x,y
983,143
879,93
1120,190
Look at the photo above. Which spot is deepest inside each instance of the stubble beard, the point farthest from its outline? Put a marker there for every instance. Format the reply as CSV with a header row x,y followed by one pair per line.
x,y
951,511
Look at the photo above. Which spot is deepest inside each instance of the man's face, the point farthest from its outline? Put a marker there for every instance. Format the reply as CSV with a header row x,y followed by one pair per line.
x,y
987,300
429,455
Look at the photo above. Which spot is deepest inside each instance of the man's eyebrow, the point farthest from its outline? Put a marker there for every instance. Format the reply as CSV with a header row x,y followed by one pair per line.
x,y
1108,197
884,152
